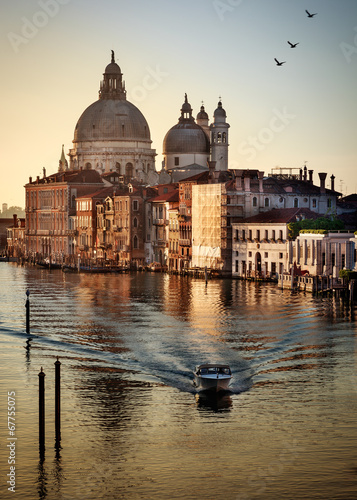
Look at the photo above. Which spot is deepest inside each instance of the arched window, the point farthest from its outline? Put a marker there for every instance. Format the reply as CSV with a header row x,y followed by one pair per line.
x,y
224,137
135,222
117,167
266,202
255,201
135,242
219,137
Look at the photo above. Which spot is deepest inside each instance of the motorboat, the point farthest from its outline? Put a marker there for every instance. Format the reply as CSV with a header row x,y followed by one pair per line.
x,y
212,377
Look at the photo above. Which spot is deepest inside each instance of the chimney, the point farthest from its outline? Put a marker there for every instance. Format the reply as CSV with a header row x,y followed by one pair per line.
x,y
15,220
322,176
300,175
310,176
305,173
37,179
247,183
332,182
238,180
30,180
260,177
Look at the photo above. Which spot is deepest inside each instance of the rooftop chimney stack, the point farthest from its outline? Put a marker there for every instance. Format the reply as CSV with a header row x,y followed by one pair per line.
x,y
322,176
310,176
332,182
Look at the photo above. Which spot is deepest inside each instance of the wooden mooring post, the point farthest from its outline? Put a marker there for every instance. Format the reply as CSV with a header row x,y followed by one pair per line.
x,y
27,305
58,401
41,414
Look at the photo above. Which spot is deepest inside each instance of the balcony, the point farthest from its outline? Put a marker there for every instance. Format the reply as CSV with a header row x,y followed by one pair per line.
x,y
185,243
160,222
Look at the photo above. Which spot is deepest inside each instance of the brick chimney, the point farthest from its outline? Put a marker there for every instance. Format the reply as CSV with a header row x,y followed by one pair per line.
x,y
322,176
311,172
332,182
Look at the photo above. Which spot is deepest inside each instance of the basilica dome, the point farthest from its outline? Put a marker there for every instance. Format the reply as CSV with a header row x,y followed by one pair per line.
x,y
111,119
186,136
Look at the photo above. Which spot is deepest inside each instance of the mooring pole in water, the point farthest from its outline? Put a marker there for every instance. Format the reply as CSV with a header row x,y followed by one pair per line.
x,y
41,413
58,401
27,305
206,274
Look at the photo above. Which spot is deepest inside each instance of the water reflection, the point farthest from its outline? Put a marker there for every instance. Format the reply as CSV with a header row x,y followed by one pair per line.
x,y
214,402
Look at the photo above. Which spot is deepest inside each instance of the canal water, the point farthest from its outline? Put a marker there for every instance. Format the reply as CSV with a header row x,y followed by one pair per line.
x,y
133,426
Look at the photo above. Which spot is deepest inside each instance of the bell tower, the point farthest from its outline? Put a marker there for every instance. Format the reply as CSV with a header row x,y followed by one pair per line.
x,y
219,138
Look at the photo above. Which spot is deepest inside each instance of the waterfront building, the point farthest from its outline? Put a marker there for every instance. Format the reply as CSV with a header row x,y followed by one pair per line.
x,y
112,135
324,254
51,209
260,243
85,243
16,237
160,207
174,238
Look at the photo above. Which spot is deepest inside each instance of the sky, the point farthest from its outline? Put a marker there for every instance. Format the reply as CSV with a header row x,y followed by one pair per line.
x,y
304,112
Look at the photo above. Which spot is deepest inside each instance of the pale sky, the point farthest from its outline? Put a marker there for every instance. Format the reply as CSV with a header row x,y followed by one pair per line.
x,y
54,53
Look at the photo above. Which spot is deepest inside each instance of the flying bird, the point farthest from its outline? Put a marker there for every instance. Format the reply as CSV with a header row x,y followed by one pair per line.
x,y
279,63
310,15
293,45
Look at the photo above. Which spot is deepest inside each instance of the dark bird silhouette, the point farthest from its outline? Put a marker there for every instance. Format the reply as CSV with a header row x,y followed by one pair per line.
x,y
310,15
279,63
293,45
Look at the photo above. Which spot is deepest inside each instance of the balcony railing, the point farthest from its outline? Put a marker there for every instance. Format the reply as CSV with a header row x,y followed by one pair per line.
x,y
185,243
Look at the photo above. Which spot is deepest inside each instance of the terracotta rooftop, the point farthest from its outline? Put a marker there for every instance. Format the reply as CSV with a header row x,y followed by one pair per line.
x,y
282,216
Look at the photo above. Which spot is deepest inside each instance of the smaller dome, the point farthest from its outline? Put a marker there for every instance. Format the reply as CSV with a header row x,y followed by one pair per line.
x,y
202,115
112,68
220,111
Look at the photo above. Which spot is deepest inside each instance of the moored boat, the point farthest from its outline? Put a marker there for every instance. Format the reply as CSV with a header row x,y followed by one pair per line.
x,y
212,377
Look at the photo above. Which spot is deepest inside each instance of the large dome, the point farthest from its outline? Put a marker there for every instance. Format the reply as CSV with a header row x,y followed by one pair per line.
x,y
111,119
186,138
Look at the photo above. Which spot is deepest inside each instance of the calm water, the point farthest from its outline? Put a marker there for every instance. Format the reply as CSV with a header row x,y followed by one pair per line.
x,y
132,425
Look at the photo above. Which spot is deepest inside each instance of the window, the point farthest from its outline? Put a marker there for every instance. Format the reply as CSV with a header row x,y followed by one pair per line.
x,y
250,234
249,254
135,205
135,222
280,235
255,201
236,266
266,202
135,242
314,203
296,203
243,234
265,255
258,234
177,161
333,259
343,261
266,234
329,203
273,234
280,255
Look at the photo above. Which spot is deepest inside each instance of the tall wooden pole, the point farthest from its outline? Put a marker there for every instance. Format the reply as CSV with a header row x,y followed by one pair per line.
x,y
58,401
27,305
41,400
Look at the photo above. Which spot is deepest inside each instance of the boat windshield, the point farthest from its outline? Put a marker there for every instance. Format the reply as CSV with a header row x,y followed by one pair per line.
x,y
215,370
